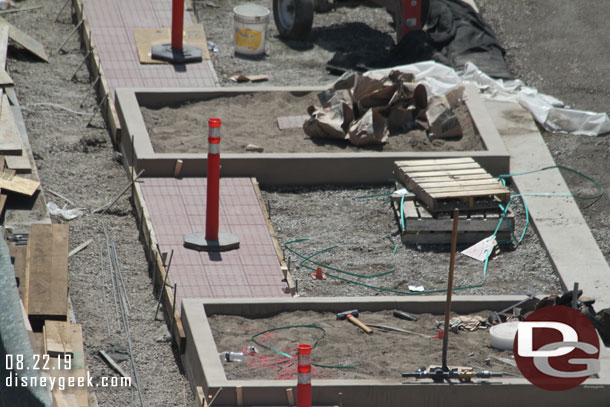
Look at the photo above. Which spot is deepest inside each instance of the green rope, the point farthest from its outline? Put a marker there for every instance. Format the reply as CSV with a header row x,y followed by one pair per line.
x,y
312,326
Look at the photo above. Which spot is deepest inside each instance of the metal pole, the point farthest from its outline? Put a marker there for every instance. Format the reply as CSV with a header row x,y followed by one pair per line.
x,y
211,224
70,36
177,24
456,214
169,263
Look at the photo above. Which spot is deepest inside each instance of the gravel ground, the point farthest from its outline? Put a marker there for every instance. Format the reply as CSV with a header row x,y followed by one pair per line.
x,y
80,163
366,233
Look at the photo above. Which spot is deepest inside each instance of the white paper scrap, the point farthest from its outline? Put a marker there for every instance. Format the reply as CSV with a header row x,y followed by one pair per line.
x,y
479,251
417,288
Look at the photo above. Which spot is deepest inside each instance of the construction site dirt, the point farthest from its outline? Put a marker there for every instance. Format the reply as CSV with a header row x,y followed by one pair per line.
x,y
251,120
80,163
382,355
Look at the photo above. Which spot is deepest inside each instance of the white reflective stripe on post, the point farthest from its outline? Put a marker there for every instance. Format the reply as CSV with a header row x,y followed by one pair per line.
x,y
304,378
304,360
214,148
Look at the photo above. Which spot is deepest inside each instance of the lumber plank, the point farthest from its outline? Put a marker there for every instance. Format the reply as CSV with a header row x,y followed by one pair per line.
x,y
453,193
421,168
465,184
57,338
434,161
48,269
3,45
20,185
24,40
77,395
10,139
442,178
449,173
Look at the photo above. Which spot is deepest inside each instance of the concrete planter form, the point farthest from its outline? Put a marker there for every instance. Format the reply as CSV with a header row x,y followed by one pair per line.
x,y
203,366
284,168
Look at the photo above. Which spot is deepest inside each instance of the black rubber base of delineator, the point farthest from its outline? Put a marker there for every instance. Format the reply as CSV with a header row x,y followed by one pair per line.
x,y
197,241
188,54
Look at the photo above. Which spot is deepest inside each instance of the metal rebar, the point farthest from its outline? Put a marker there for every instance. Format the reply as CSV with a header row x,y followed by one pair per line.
x,y
104,208
456,214
120,273
70,36
82,102
169,263
103,287
114,290
120,282
62,10
80,65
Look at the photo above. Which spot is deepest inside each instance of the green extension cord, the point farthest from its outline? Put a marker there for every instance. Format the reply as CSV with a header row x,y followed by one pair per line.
x,y
313,326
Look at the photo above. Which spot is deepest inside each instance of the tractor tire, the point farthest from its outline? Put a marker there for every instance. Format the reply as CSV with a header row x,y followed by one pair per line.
x,y
293,18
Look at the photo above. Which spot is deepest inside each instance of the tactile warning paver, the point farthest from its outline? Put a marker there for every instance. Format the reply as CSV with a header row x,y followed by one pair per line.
x,y
177,207
112,23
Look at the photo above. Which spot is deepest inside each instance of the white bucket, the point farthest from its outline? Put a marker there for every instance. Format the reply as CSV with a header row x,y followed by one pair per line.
x,y
251,23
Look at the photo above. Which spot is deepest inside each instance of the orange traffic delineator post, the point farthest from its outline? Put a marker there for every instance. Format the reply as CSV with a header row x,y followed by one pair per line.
x,y
318,275
177,52
304,376
212,240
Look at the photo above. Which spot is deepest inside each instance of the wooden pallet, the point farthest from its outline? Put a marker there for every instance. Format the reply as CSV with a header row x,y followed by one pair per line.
x,y
446,184
424,227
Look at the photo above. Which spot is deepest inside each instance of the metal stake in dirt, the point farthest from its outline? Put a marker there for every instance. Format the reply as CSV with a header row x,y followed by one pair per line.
x,y
212,240
176,52
304,376
456,214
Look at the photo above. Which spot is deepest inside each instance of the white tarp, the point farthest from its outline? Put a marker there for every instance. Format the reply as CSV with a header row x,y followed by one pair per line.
x,y
547,110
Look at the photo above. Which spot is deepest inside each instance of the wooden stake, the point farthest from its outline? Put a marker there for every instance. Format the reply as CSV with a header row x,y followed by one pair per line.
x,y
456,215
239,393
290,396
178,168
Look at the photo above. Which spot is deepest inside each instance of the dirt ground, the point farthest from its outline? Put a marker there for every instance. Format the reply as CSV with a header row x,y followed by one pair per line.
x,y
251,119
80,163
380,355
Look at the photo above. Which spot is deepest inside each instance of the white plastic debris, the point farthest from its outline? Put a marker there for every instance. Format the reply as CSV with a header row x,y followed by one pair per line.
x,y
67,214
416,288
547,110
479,251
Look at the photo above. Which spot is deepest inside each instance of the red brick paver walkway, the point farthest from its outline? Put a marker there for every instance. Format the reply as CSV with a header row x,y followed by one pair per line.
x,y
112,23
177,207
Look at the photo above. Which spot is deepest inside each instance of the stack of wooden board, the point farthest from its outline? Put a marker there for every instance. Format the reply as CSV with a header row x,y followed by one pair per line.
x,y
439,186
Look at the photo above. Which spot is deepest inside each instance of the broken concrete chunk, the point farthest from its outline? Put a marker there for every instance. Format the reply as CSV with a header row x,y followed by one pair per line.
x,y
370,129
443,121
254,148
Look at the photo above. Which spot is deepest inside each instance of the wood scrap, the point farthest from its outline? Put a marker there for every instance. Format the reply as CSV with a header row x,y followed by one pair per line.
x,y
3,45
114,365
76,395
24,40
48,267
10,139
17,184
80,247
5,79
57,337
